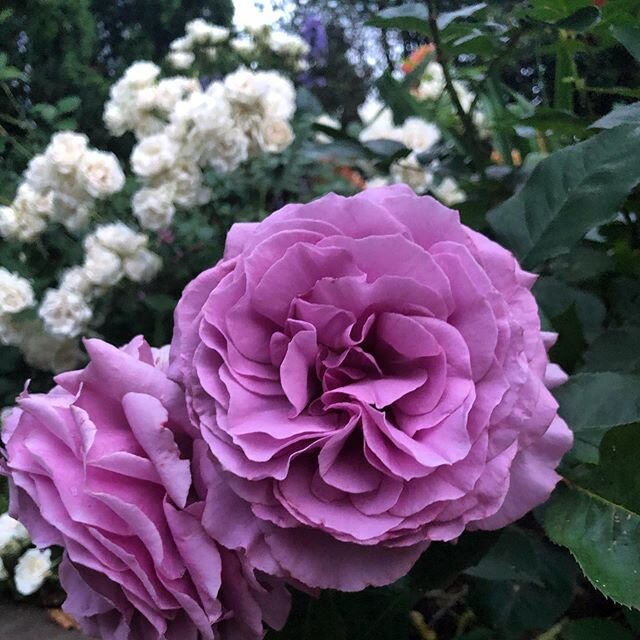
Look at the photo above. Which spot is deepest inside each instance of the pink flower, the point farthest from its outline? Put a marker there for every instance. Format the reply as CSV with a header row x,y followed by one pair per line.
x,y
101,466
369,373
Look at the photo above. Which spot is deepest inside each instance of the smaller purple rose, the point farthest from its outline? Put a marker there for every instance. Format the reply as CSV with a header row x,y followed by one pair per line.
x,y
106,465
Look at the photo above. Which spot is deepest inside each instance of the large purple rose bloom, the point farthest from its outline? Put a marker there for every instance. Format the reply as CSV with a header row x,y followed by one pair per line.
x,y
101,466
370,375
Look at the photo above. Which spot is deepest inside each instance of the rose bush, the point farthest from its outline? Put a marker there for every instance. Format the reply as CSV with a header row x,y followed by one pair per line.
x,y
370,375
106,466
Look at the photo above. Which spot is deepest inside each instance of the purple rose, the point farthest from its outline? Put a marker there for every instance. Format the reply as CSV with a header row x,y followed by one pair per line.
x,y
370,375
101,466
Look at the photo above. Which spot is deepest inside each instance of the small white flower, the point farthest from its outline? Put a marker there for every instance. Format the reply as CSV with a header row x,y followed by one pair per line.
x,y
171,90
32,570
181,59
245,87
275,135
198,30
232,149
40,173
118,237
102,266
142,266
153,207
9,225
100,173
65,150
16,293
75,279
449,192
418,135
243,46
287,44
141,74
11,531
185,43
153,155
64,313
115,119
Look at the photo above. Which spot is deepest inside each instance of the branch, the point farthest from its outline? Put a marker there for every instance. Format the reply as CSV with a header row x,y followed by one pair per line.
x,y
469,129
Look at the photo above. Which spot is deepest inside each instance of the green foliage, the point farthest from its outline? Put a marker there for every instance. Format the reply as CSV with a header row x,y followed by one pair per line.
x,y
570,192
597,516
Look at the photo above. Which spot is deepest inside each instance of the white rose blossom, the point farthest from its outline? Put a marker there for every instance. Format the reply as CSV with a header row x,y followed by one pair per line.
x,y
16,293
102,266
275,135
64,313
153,207
11,531
181,59
142,266
153,155
65,150
101,173
33,568
141,74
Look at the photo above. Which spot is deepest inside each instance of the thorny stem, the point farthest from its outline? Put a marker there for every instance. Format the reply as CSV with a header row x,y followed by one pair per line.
x,y
470,133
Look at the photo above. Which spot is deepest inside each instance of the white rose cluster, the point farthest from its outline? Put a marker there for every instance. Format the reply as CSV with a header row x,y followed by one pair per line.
x,y
112,252
245,114
141,103
33,567
205,39
61,185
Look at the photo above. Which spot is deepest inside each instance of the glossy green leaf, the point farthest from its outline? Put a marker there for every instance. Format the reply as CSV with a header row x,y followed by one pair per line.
x,y
615,350
409,17
597,516
595,629
568,193
627,114
555,297
581,20
555,10
524,584
629,37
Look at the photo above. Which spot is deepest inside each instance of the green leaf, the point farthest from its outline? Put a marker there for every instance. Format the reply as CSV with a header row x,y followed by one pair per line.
x,y
445,19
581,20
595,629
396,95
526,584
593,403
628,114
409,17
555,10
68,104
605,399
597,516
387,148
557,121
564,71
629,37
568,193
615,350
555,298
